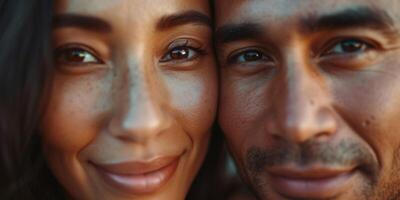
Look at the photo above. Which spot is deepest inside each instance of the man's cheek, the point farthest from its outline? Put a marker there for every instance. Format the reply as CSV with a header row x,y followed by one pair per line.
x,y
234,126
230,113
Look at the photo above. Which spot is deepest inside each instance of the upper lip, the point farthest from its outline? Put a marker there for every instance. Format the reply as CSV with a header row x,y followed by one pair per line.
x,y
309,173
138,167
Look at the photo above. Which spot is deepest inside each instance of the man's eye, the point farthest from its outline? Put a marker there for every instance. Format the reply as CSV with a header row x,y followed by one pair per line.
x,y
75,56
180,54
348,46
249,56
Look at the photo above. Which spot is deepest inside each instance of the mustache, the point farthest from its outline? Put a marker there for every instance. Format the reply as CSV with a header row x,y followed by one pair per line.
x,y
344,153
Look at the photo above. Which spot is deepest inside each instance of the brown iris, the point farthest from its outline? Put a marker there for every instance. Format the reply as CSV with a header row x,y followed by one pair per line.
x,y
180,53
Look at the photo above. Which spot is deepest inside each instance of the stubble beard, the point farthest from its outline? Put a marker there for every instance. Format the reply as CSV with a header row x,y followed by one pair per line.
x,y
374,188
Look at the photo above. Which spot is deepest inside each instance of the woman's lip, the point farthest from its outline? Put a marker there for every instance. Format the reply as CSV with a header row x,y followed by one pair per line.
x,y
138,167
132,182
311,183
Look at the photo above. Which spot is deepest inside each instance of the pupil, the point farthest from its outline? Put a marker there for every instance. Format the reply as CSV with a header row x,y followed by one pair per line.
x,y
351,46
180,53
252,56
75,56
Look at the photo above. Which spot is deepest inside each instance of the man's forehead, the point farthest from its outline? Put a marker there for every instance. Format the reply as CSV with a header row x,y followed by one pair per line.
x,y
238,11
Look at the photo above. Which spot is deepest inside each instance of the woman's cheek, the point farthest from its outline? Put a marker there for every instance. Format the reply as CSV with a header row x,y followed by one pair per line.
x,y
74,113
196,99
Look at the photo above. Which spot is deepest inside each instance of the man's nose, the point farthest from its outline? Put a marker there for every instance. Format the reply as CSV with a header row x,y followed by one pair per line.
x,y
303,105
141,113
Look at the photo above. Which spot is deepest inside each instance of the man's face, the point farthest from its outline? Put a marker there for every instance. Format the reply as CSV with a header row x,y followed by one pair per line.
x,y
310,96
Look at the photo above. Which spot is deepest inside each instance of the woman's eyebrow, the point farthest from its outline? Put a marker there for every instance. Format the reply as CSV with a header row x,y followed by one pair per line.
x,y
81,21
183,18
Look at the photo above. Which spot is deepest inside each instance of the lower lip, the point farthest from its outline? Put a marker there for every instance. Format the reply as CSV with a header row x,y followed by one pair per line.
x,y
140,184
312,188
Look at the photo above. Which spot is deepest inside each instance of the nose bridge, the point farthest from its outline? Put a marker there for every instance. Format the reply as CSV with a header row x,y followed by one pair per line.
x,y
139,115
303,110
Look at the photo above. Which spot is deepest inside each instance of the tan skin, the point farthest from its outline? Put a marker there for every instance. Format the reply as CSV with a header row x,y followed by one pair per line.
x,y
133,98
310,96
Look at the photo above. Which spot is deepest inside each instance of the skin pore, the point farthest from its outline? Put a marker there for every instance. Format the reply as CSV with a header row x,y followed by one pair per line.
x,y
133,97
310,96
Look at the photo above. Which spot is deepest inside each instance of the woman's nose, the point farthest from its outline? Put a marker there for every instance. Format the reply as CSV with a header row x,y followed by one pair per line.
x,y
141,112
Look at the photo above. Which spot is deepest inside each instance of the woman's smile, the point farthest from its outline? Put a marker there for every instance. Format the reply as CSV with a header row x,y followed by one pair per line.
x,y
139,177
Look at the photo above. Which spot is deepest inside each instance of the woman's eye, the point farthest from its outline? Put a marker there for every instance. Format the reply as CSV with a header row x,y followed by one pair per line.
x,y
249,56
179,54
75,56
348,46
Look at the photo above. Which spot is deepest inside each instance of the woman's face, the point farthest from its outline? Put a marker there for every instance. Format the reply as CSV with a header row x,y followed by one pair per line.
x,y
133,97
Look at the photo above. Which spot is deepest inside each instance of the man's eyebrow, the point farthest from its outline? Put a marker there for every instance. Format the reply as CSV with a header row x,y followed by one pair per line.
x,y
352,17
186,17
81,21
235,32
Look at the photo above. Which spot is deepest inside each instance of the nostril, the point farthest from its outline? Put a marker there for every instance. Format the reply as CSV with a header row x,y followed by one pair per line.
x,y
276,137
322,135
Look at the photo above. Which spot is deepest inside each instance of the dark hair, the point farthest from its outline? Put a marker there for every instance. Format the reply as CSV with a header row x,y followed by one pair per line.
x,y
25,67
217,178
210,181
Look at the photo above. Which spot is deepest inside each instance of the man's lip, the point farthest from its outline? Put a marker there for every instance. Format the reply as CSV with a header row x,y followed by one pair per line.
x,y
311,182
137,167
310,172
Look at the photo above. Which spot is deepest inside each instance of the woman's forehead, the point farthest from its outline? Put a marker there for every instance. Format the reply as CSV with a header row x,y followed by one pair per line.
x,y
138,7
